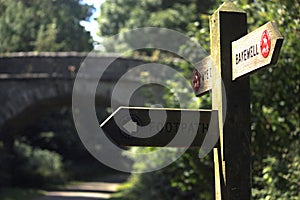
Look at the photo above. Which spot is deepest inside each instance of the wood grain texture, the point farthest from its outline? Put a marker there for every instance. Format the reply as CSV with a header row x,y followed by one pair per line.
x,y
249,49
204,67
217,175
231,99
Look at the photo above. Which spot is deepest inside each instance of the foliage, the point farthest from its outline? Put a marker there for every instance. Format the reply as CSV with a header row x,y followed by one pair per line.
x,y
183,179
43,150
275,106
19,194
47,25
119,15
35,167
275,92
279,179
46,133
54,130
4,168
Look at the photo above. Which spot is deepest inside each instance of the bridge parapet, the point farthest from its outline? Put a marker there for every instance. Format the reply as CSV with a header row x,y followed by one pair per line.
x,y
41,65
30,77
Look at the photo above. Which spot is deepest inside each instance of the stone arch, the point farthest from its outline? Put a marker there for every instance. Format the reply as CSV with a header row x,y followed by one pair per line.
x,y
16,99
27,78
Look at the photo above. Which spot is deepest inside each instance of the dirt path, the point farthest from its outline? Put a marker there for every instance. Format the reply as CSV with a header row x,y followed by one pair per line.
x,y
102,189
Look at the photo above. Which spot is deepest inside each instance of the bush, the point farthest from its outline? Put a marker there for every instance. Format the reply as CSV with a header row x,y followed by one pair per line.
x,y
280,176
37,167
5,175
187,178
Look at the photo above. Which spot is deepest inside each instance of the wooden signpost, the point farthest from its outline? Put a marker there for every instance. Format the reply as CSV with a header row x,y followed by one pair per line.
x,y
234,55
228,24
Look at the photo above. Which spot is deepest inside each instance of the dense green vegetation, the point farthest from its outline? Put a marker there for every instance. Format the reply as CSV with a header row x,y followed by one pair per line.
x,y
18,193
52,25
43,153
274,98
275,104
43,26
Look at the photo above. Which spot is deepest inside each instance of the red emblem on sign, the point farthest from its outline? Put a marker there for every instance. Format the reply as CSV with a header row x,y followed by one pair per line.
x,y
196,80
265,44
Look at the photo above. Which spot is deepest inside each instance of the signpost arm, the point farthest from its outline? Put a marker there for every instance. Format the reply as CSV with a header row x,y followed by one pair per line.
x,y
228,23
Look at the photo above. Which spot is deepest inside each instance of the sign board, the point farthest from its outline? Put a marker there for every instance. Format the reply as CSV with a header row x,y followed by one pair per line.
x,y
255,50
138,130
202,76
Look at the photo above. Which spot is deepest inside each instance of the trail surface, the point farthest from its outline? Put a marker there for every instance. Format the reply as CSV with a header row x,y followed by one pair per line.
x,y
102,189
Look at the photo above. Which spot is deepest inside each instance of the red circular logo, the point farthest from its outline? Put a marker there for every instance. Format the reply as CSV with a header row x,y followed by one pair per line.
x,y
196,80
265,43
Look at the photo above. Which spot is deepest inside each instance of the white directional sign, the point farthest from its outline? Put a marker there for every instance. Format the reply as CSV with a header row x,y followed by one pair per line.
x,y
202,76
255,50
139,130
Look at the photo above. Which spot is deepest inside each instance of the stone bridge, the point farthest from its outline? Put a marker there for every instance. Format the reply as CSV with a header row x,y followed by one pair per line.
x,y
34,82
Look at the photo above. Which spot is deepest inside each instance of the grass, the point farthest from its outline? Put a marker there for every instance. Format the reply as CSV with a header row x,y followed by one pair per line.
x,y
124,190
19,194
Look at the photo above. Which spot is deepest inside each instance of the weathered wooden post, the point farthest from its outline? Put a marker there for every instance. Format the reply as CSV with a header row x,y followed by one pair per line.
x,y
235,54
227,24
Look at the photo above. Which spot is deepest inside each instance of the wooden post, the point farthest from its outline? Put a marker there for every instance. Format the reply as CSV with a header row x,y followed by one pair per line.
x,y
228,24
217,175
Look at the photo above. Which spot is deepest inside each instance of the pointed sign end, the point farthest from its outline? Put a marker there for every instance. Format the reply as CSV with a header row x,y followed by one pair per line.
x,y
228,6
275,30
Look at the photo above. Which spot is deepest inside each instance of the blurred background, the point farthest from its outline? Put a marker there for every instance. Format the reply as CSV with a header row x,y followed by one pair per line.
x,y
42,44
